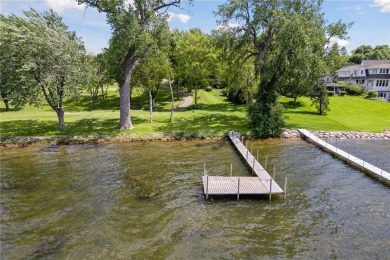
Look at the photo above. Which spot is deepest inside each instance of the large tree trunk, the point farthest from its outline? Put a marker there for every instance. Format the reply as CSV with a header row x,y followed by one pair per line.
x,y
150,106
124,93
6,104
61,120
173,100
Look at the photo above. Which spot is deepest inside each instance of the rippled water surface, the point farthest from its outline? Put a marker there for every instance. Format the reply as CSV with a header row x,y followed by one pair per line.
x,y
145,201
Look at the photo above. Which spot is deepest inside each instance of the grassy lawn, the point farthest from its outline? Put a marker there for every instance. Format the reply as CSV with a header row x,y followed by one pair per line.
x,y
347,113
215,116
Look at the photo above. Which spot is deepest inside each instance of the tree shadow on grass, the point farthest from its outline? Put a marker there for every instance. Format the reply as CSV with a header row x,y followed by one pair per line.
x,y
292,104
214,124
304,113
83,127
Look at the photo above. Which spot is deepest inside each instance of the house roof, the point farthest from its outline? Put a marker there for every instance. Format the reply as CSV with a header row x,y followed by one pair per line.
x,y
377,64
349,68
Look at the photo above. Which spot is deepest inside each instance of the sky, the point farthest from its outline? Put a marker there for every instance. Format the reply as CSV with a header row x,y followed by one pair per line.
x,y
371,19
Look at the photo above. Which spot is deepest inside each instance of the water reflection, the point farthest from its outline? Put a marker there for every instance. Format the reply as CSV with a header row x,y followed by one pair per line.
x,y
145,200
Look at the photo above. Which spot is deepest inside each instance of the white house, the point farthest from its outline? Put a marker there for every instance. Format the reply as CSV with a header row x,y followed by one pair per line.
x,y
372,74
331,86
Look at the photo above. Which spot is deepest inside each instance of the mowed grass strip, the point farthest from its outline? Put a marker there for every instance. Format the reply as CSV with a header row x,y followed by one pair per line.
x,y
347,113
214,114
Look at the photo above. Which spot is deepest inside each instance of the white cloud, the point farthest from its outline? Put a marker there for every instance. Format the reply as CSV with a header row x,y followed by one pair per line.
x,y
183,18
340,42
384,4
60,5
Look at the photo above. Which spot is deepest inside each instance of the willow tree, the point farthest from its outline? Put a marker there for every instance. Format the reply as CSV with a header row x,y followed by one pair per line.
x,y
135,26
287,38
46,60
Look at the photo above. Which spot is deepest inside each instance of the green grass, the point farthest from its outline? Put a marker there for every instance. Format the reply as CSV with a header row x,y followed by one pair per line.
x,y
347,114
214,115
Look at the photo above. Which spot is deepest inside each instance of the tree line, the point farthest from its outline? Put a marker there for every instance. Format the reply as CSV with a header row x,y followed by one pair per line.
x,y
276,47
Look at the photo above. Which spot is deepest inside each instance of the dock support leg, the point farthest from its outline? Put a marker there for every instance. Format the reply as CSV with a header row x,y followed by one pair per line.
x,y
253,168
266,160
207,187
204,167
246,159
257,155
252,149
238,189
231,169
270,190
285,188
273,176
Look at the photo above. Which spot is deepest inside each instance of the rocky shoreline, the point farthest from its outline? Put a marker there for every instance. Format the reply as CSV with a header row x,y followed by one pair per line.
x,y
166,137
340,135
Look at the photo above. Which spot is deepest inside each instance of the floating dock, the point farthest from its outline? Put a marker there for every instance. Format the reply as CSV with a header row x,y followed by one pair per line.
x,y
365,166
261,184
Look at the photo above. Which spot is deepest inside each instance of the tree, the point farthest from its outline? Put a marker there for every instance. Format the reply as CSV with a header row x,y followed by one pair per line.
x,y
195,60
150,73
287,38
135,26
367,52
50,59
320,97
98,78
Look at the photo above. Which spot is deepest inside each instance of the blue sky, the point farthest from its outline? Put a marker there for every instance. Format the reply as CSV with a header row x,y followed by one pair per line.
x,y
371,19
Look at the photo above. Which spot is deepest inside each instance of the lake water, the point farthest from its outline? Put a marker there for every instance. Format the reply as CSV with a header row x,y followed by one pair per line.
x,y
145,201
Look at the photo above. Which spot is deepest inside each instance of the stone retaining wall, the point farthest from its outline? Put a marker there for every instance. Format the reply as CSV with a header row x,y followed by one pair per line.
x,y
340,135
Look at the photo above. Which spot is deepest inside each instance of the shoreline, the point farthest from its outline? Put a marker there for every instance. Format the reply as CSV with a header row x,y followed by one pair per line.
x,y
6,142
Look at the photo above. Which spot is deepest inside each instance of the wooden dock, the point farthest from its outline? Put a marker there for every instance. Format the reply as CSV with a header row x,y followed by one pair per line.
x,y
365,166
260,183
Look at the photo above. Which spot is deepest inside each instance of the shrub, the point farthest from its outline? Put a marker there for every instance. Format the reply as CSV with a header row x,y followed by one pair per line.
x,y
224,92
355,90
209,89
342,93
372,94
330,93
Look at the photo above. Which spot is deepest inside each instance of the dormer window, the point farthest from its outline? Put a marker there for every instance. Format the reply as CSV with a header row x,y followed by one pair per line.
x,y
361,72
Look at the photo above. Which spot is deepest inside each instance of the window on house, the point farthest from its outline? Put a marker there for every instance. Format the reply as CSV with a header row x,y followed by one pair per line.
x,y
375,71
357,81
386,83
387,71
361,72
362,81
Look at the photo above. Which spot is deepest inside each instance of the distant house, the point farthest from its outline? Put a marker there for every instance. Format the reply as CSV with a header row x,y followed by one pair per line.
x,y
331,86
371,74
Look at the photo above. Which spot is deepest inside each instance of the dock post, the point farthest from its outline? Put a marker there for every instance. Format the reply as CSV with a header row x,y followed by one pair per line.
x,y
253,168
238,189
246,159
252,149
273,176
257,155
246,144
285,188
231,169
207,187
266,160
270,189
242,140
204,167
